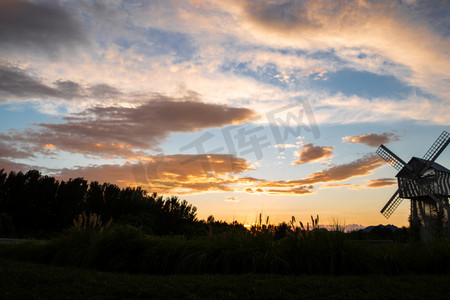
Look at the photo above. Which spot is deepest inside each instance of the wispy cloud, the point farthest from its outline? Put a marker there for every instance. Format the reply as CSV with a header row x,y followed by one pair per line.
x,y
372,139
391,28
336,185
117,131
381,182
301,190
231,199
19,84
360,167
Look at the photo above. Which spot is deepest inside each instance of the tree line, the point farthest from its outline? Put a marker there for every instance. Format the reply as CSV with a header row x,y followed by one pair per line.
x,y
32,204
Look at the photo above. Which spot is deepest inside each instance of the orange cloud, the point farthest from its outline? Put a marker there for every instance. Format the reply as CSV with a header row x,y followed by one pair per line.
x,y
180,174
372,139
381,182
187,174
361,167
301,190
312,153
335,185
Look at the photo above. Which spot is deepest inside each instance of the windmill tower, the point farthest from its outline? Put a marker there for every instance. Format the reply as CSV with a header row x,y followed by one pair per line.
x,y
426,184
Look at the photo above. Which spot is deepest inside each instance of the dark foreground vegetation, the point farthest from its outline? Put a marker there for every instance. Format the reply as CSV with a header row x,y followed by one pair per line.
x,y
102,227
23,280
127,249
32,205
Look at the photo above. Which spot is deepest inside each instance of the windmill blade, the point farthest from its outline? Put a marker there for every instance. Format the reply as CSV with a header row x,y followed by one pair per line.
x,y
426,191
391,158
435,150
439,145
391,205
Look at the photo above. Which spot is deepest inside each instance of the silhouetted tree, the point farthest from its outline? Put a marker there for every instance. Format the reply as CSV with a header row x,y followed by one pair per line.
x,y
37,203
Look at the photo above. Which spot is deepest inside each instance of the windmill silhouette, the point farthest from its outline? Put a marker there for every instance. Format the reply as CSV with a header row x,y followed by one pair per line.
x,y
426,184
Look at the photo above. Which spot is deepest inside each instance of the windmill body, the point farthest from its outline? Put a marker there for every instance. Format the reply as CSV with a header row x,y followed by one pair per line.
x,y
426,184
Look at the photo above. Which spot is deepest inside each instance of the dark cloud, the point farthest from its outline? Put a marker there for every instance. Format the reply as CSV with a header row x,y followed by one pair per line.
x,y
372,139
17,83
43,26
312,153
285,15
104,91
68,89
297,17
121,131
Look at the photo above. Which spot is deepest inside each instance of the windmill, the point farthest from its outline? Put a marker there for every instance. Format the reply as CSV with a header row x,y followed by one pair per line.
x,y
426,184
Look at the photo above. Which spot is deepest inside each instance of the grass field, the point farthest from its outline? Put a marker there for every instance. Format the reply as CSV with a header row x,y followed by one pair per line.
x,y
23,280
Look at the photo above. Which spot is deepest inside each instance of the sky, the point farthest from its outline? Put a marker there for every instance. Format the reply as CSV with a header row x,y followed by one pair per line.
x,y
240,107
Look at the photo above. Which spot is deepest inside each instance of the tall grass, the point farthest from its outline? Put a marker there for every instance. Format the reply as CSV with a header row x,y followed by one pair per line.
x,y
300,250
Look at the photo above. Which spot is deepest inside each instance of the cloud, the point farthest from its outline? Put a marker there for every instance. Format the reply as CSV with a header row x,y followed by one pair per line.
x,y
231,199
336,185
372,139
301,190
284,146
381,182
117,131
44,26
14,151
197,173
360,167
11,166
388,29
312,153
180,174
19,84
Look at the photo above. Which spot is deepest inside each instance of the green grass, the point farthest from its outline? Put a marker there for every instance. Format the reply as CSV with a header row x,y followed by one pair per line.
x,y
24,280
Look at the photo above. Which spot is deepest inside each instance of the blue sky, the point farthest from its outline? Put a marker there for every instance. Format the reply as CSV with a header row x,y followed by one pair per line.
x,y
116,91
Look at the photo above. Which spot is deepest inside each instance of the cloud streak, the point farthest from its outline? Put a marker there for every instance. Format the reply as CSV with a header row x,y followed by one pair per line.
x,y
381,182
118,131
18,84
372,139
